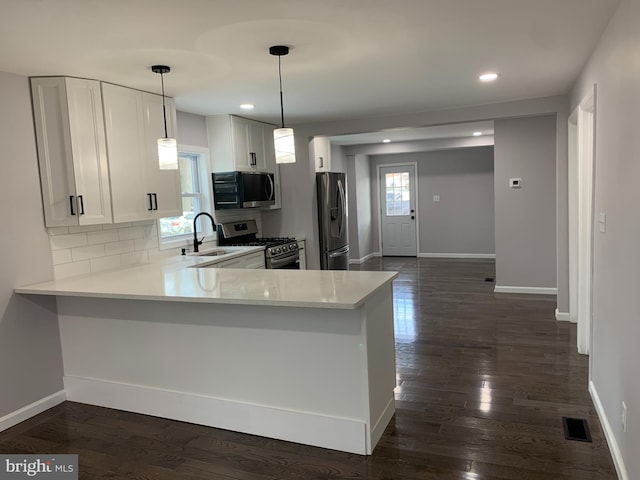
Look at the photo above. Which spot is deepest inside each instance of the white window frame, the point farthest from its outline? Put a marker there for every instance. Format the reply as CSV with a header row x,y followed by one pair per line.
x,y
205,201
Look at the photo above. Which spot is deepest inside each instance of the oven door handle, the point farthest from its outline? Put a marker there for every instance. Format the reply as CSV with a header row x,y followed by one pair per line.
x,y
280,261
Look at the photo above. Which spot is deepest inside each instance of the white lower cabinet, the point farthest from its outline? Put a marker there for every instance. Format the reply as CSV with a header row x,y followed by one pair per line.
x,y
133,123
72,153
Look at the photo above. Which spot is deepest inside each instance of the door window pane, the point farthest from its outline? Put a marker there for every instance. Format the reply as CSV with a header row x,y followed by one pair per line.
x,y
398,194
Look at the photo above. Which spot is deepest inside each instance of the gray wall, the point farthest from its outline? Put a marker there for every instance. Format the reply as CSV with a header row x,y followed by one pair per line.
x,y
30,356
614,357
360,208
192,130
462,222
299,209
526,217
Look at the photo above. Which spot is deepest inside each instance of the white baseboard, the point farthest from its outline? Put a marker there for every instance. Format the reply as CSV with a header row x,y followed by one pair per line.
x,y
614,448
457,255
381,424
562,316
358,261
294,426
32,410
531,290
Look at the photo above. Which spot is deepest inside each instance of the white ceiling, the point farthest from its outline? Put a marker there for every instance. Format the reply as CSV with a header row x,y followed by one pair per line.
x,y
349,58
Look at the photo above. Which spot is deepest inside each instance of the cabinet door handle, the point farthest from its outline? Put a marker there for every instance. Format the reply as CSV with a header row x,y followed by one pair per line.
x,y
71,205
155,201
81,204
150,195
254,160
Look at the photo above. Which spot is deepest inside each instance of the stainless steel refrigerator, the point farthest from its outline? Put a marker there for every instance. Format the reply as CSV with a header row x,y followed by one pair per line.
x,y
332,218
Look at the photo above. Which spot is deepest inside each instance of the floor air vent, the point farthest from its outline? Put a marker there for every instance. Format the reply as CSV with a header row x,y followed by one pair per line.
x,y
488,279
576,429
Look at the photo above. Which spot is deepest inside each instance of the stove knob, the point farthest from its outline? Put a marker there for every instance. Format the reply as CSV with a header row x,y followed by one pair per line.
x,y
278,250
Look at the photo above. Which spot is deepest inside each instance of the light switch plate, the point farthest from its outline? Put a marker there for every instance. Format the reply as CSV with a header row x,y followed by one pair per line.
x,y
515,182
602,222
436,198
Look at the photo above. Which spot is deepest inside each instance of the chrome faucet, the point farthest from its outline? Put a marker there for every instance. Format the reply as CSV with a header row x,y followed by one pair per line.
x,y
197,242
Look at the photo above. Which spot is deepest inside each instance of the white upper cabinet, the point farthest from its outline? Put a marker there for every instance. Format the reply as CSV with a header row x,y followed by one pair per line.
x,y
320,149
165,184
134,122
72,153
239,144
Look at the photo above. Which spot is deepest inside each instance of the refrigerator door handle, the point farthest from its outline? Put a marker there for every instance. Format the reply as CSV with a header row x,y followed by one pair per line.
x,y
342,206
340,252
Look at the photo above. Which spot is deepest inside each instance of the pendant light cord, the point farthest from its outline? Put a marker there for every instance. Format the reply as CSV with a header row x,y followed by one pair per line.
x,y
164,110
280,76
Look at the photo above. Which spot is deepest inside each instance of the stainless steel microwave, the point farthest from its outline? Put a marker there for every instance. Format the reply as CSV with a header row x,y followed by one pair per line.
x,y
243,190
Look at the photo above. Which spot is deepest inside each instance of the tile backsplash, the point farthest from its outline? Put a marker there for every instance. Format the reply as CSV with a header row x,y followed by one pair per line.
x,y
92,248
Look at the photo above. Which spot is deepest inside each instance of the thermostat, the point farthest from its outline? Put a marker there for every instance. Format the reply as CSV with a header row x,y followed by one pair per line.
x,y
515,182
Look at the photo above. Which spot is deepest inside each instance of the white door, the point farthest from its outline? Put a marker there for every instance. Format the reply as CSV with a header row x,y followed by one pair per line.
x,y
398,210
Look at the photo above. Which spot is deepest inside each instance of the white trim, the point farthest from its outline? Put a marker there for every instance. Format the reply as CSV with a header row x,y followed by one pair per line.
x,y
614,448
378,429
32,410
457,255
186,240
308,428
532,290
562,316
359,261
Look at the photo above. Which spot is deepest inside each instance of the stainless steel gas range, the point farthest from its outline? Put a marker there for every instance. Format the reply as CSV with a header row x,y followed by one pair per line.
x,y
279,252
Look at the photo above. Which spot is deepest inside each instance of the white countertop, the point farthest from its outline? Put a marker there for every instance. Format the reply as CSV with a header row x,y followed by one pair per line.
x,y
171,279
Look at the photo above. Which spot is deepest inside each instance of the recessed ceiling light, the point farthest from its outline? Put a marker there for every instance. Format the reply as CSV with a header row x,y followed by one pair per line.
x,y
247,106
488,77
477,134
386,140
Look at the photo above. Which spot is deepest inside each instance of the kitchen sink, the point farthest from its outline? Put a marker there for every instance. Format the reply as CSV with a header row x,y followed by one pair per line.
x,y
212,253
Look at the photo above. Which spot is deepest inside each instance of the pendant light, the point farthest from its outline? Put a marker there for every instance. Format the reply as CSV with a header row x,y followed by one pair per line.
x,y
167,147
283,139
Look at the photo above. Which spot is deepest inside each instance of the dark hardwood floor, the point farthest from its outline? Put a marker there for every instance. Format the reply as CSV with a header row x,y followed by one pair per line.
x,y
483,381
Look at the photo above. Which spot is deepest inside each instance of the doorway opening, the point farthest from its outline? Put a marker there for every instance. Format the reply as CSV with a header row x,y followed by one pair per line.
x,y
581,193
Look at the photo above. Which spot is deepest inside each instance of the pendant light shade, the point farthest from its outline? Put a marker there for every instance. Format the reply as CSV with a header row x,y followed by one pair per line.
x,y
167,147
168,153
285,145
283,139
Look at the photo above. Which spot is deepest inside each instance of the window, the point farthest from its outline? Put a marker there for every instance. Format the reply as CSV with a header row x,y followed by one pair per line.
x,y
398,194
195,198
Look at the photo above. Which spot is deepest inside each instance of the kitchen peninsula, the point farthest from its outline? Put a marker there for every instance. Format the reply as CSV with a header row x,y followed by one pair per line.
x,y
304,356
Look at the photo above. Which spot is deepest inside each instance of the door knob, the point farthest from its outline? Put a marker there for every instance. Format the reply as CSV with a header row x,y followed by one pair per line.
x,y
412,217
